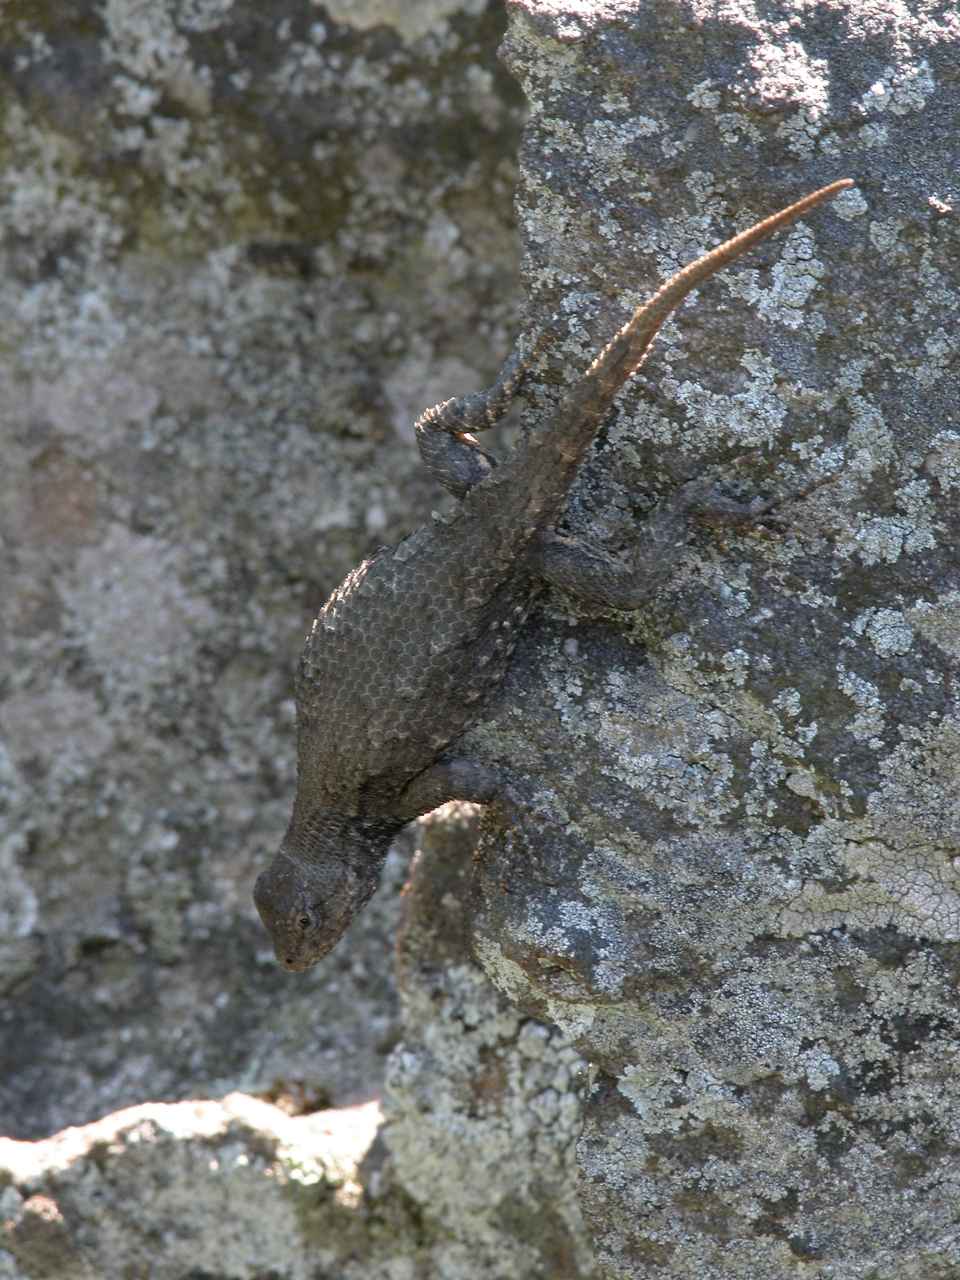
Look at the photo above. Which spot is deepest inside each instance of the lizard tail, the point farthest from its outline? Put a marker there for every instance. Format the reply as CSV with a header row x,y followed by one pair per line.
x,y
627,350
540,471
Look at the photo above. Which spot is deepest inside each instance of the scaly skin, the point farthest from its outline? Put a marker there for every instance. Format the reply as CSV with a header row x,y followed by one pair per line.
x,y
401,657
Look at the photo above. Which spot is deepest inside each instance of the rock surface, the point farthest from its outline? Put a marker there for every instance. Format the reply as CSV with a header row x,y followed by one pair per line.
x,y
243,246
471,1176
166,1189
735,900
482,1102
739,885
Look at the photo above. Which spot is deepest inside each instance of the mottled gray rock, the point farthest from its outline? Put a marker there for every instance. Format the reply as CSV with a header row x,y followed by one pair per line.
x,y
472,1178
738,887
237,260
166,1190
242,246
482,1103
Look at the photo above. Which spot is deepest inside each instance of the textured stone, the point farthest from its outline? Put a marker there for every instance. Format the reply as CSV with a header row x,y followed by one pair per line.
x,y
166,1190
737,889
243,246
471,1177
482,1103
736,894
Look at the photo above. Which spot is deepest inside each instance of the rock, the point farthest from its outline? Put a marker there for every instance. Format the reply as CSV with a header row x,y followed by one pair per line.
x,y
202,1189
242,248
482,1103
736,887
471,1175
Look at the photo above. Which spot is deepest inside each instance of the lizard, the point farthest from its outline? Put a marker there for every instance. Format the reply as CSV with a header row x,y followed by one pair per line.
x,y
400,658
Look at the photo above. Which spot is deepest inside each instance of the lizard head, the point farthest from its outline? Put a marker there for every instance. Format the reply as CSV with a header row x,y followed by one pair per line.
x,y
323,874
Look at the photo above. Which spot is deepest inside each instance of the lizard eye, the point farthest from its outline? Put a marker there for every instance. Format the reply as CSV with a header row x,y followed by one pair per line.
x,y
304,921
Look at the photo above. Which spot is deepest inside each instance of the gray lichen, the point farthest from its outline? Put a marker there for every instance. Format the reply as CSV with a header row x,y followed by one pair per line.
x,y
736,894
737,890
239,245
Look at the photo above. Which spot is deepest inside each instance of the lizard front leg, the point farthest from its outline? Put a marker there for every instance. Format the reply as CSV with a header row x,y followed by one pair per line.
x,y
453,778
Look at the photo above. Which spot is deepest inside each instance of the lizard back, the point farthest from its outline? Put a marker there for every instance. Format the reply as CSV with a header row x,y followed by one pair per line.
x,y
402,654
400,658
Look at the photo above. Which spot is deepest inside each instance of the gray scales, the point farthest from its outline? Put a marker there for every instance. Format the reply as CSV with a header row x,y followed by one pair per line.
x,y
402,655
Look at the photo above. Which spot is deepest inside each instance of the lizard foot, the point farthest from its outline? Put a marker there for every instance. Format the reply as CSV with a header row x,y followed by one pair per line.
x,y
444,433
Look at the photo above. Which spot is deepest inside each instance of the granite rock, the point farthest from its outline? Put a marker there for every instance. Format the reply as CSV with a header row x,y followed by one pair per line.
x,y
737,888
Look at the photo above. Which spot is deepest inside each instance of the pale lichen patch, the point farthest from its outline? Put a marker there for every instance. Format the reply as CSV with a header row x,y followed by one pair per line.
x,y
887,630
942,348
885,538
130,602
896,866
939,621
943,460
900,90
752,417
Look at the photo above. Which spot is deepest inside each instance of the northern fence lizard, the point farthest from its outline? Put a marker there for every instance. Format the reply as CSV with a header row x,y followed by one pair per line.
x,y
402,655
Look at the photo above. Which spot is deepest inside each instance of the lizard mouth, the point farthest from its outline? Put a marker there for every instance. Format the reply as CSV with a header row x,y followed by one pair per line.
x,y
294,963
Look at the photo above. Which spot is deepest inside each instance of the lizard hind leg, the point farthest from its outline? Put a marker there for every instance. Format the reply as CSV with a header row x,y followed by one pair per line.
x,y
447,446
451,455
597,578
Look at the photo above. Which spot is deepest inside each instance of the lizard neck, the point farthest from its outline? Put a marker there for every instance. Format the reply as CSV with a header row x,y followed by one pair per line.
x,y
316,833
